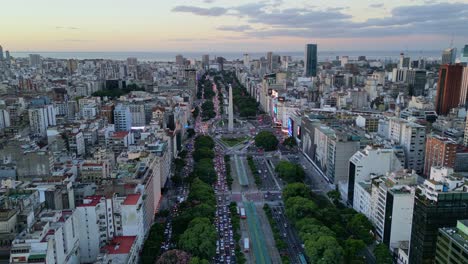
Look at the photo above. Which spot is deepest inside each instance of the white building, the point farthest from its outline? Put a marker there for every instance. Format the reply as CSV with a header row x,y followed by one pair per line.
x,y
122,118
40,118
365,163
4,119
138,114
53,239
412,137
93,227
392,211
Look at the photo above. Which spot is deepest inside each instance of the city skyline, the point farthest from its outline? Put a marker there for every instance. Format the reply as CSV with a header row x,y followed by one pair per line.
x,y
219,25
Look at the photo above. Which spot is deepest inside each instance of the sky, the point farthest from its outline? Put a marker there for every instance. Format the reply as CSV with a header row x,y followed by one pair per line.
x,y
223,25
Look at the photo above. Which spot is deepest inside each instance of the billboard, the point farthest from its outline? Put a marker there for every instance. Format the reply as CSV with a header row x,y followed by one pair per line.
x,y
290,127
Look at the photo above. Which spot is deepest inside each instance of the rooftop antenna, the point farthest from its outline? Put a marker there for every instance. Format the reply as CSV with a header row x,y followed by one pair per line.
x,y
451,40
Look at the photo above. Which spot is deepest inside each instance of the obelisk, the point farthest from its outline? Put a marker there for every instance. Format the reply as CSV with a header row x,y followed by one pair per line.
x,y
230,111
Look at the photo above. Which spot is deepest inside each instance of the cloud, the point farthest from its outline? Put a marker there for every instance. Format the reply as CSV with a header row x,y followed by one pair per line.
x,y
76,40
208,1
378,5
434,19
71,28
240,28
187,39
213,11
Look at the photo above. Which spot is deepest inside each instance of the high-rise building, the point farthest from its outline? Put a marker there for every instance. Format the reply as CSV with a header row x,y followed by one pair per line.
x,y
1,53
40,118
179,59
404,62
206,61
122,118
436,205
247,60
310,60
448,88
269,61
452,244
367,162
464,55
7,56
132,61
72,65
440,151
464,87
449,55
411,137
34,60
417,81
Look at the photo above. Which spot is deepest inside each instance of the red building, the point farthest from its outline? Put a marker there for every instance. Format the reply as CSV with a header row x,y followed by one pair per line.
x,y
440,151
448,88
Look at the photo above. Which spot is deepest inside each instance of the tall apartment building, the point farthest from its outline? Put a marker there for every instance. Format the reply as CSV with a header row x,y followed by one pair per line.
x,y
417,81
412,138
464,87
365,163
436,205
392,207
138,114
122,118
34,60
452,244
449,55
52,239
440,151
40,118
448,88
310,60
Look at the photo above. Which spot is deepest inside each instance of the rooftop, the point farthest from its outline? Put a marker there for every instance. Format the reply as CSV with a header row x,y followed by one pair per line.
x,y
120,245
132,199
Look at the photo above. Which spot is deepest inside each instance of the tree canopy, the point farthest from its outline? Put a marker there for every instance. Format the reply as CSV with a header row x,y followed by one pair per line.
x,y
266,140
290,172
382,254
174,256
296,189
198,238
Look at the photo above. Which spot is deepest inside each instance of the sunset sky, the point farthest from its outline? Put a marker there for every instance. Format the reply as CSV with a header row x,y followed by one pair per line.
x,y
222,25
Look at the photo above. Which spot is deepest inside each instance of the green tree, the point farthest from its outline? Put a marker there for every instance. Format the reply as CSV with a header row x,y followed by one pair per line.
x,y
197,260
199,238
174,256
266,140
204,169
298,208
360,227
290,172
201,192
324,250
203,153
204,141
290,142
351,249
382,254
335,196
296,189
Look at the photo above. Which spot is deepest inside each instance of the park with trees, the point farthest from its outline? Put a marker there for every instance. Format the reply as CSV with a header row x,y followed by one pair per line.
x,y
266,140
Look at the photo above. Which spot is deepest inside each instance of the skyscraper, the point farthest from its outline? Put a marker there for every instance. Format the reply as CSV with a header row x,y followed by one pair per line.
x,y
122,118
269,61
417,81
464,87
1,53
206,61
448,88
404,62
34,60
179,59
310,60
464,55
440,151
436,205
449,55
230,111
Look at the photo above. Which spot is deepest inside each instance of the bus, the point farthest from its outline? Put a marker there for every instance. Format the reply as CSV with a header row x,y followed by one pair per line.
x,y
246,244
242,213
